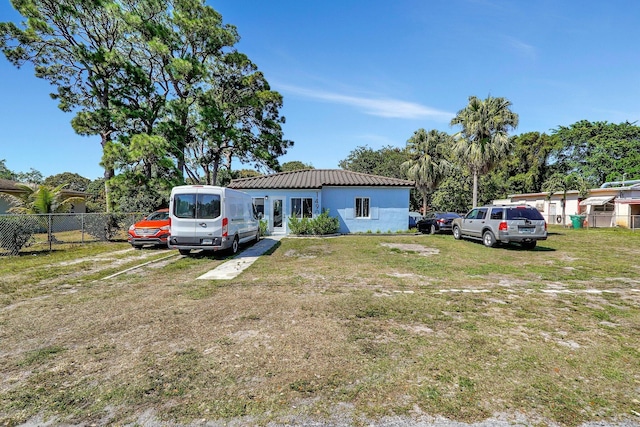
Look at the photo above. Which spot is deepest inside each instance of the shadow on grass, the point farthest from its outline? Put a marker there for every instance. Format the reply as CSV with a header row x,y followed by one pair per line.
x,y
272,249
513,246
224,255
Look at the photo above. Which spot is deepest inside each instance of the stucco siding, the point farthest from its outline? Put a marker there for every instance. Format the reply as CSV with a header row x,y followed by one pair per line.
x,y
286,196
388,208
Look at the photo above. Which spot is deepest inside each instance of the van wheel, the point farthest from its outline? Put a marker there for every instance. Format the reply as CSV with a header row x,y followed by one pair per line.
x,y
257,239
235,245
184,251
488,239
456,233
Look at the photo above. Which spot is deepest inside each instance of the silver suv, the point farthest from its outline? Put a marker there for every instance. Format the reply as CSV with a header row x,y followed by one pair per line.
x,y
502,224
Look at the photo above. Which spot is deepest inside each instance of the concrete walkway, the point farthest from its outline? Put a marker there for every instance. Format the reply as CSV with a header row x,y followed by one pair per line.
x,y
232,268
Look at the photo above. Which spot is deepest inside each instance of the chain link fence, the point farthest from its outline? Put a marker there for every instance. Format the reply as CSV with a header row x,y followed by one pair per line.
x,y
41,232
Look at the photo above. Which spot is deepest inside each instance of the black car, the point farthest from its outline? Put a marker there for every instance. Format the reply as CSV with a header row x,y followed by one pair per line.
x,y
435,222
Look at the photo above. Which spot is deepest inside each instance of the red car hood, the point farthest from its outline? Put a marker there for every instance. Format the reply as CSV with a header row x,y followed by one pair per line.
x,y
152,224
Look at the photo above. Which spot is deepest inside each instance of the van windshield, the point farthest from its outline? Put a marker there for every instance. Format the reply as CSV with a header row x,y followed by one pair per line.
x,y
201,206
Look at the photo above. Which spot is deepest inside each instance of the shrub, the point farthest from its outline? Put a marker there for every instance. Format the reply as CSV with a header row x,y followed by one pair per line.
x,y
320,225
264,227
299,226
325,224
17,232
106,226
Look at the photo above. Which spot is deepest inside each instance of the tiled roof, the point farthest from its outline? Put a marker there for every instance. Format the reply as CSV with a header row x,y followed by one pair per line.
x,y
6,184
317,178
10,187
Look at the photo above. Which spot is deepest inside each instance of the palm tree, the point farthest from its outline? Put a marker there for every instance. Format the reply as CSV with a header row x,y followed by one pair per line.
x,y
484,138
427,165
39,199
561,182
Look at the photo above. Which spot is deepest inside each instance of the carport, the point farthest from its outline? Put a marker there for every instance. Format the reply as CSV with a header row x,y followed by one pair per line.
x,y
600,211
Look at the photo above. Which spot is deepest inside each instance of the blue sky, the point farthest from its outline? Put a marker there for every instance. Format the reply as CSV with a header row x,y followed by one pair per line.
x,y
371,72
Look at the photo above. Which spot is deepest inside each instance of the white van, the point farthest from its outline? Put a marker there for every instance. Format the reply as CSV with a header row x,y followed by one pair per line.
x,y
211,218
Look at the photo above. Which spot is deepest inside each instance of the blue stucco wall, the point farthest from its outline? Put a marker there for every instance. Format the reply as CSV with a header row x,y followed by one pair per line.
x,y
286,195
389,207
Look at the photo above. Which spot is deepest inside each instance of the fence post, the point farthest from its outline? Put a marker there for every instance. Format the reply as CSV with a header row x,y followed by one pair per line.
x,y
50,233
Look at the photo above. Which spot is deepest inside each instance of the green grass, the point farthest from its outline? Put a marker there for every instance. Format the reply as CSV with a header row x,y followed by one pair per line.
x,y
384,323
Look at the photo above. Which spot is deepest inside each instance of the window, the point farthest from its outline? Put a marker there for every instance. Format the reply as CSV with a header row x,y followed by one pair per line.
x,y
607,207
471,214
258,202
362,207
301,207
524,213
205,206
496,213
208,206
184,205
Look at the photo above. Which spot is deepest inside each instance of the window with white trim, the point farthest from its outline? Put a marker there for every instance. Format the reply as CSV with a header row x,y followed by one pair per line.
x,y
362,207
302,207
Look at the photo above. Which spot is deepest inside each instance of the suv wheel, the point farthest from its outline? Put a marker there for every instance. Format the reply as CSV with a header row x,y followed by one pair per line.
x,y
488,239
456,233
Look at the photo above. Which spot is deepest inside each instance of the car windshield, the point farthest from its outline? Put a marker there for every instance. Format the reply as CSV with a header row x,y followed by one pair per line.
x,y
524,213
448,215
158,216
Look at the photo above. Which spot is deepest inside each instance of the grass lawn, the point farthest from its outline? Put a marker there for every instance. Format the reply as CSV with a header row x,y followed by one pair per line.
x,y
361,327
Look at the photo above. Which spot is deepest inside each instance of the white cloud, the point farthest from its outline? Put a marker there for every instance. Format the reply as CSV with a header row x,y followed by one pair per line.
x,y
381,107
524,49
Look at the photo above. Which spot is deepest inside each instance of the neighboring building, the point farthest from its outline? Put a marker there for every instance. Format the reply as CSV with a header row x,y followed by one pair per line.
x,y
363,203
7,186
607,206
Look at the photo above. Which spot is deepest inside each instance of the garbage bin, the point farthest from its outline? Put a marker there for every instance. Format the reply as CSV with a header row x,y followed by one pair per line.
x,y
577,220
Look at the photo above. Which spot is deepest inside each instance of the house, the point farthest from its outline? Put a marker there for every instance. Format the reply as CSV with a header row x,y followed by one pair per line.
x,y
8,186
613,204
363,203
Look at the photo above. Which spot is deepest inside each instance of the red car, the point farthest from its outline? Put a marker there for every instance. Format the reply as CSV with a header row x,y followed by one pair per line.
x,y
152,230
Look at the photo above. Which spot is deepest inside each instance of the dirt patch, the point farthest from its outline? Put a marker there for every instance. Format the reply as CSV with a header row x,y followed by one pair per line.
x,y
103,257
410,247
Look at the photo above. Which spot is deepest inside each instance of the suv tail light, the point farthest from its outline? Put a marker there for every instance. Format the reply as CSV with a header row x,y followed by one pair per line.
x,y
503,226
225,227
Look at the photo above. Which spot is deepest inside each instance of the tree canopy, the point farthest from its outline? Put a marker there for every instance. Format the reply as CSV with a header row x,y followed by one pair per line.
x,y
70,181
484,139
427,164
159,82
295,165
598,151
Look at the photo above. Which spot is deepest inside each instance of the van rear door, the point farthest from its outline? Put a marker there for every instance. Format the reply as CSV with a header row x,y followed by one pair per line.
x,y
209,221
196,220
183,216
